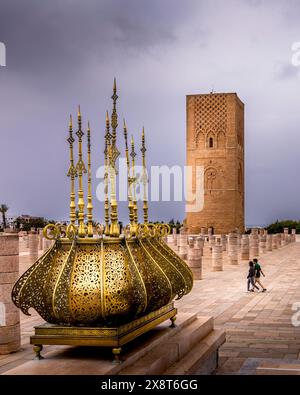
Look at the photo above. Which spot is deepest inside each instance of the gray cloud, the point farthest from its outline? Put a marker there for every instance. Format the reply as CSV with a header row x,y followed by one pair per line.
x,y
62,53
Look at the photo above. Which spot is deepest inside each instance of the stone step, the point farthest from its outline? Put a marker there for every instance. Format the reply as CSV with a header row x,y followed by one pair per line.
x,y
282,368
202,359
176,347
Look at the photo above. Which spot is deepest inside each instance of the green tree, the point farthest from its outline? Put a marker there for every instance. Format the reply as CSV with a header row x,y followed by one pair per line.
x,y
3,210
278,226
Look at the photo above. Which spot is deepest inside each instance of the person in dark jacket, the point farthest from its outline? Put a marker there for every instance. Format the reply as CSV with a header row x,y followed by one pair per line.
x,y
251,278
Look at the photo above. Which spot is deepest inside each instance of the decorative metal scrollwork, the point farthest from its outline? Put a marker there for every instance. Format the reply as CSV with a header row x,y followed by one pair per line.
x,y
51,232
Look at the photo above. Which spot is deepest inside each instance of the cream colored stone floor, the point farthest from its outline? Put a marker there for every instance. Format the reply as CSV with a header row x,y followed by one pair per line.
x,y
257,325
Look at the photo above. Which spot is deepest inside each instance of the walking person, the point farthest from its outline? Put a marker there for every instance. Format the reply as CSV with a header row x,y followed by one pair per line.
x,y
251,278
258,273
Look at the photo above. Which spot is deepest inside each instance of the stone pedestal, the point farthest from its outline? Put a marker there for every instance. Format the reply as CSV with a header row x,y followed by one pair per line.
x,y
33,246
9,273
27,241
233,249
199,244
210,231
211,241
189,348
293,235
224,242
40,232
254,244
174,233
182,245
285,235
203,231
170,240
46,244
245,248
269,243
262,244
279,240
274,242
194,260
217,256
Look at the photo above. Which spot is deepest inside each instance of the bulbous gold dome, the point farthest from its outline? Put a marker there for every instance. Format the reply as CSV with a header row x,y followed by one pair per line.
x,y
102,281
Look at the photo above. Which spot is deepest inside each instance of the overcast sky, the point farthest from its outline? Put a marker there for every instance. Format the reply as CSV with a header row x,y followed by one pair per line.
x,y
66,52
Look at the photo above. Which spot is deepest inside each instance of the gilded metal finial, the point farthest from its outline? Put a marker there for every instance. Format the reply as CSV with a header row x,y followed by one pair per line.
x,y
144,178
89,197
133,180
81,169
113,156
133,225
72,174
106,175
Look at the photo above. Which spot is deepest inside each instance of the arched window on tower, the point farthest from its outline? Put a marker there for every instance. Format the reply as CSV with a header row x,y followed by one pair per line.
x,y
211,142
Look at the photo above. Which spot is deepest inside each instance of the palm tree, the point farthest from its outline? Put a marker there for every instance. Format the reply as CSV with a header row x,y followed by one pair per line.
x,y
3,210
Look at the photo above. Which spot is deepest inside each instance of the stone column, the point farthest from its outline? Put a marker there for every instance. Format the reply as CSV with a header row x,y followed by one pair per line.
x,y
33,246
233,249
40,239
191,241
194,260
269,242
224,242
254,244
9,313
170,240
46,244
262,244
209,231
200,244
245,248
203,231
293,235
274,242
286,235
217,256
278,236
27,240
174,232
211,241
182,245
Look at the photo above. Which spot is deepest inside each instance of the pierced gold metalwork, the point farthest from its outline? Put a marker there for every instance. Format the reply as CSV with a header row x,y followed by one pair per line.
x,y
104,289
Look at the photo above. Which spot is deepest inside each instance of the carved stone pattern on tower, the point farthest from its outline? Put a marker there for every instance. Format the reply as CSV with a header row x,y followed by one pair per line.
x,y
210,115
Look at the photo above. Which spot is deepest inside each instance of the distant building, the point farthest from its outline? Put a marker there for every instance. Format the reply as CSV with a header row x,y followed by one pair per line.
x,y
215,140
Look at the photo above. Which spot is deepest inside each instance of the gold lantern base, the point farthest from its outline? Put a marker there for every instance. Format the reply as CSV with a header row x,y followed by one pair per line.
x,y
114,337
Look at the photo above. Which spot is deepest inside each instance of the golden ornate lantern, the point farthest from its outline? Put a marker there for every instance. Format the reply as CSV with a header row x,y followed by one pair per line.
x,y
97,286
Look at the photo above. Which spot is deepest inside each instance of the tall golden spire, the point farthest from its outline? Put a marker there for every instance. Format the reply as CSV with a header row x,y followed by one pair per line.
x,y
89,196
113,156
144,178
129,183
72,174
80,167
133,155
106,175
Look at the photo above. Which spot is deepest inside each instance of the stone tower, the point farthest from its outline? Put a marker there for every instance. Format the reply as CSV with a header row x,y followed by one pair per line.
x,y
215,140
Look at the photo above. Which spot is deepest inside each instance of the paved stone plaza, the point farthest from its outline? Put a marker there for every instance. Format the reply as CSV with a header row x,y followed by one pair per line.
x,y
258,325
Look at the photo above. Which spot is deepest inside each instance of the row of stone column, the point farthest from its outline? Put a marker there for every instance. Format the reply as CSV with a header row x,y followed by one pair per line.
x,y
35,242
238,247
